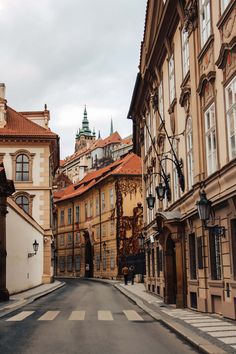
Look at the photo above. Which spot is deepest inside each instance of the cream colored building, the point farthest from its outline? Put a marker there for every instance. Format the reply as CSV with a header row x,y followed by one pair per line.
x,y
184,120
30,152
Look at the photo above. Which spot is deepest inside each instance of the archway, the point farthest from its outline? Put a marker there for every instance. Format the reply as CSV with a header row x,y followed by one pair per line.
x,y
88,257
170,272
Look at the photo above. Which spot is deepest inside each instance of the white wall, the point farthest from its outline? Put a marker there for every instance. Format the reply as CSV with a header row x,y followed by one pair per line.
x,y
22,272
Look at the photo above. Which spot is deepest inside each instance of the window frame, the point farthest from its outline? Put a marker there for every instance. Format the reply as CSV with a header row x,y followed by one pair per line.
x,y
30,157
231,110
185,51
205,27
171,77
211,156
189,151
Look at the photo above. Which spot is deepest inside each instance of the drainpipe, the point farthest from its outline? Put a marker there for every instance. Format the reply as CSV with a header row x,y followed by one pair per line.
x,y
100,229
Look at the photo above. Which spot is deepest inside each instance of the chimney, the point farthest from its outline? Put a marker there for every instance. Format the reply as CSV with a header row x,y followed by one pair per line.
x,y
2,91
3,106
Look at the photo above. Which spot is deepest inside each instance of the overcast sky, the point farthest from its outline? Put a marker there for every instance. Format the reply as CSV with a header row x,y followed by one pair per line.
x,y
68,53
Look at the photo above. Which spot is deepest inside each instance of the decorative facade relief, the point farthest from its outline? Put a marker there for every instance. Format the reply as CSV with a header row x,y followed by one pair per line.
x,y
207,62
191,16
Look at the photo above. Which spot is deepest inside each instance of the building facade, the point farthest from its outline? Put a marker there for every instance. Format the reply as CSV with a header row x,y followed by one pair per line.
x,y
99,220
184,123
30,152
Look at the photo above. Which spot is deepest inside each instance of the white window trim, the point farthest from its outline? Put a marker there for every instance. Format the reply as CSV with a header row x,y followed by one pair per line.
x,y
205,21
211,156
231,111
171,78
185,52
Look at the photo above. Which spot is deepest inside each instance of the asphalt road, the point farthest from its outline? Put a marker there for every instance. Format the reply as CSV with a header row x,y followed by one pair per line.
x,y
89,318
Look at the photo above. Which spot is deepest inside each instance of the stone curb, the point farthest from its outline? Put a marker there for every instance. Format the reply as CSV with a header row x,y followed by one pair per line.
x,y
202,344
28,300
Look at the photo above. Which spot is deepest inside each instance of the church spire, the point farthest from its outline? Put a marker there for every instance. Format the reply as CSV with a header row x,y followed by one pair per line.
x,y
99,134
111,131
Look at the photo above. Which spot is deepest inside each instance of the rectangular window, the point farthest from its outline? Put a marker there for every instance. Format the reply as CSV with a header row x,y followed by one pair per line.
x,y
104,261
205,20
224,4
112,227
148,262
158,261
160,102
77,237
86,211
172,78
62,217
230,95
69,239
104,230
215,254
112,260
185,52
189,148
103,201
97,261
192,256
69,263
62,264
97,206
91,208
69,216
199,252
77,213
210,137
62,240
233,238
77,263
111,198
176,191
153,263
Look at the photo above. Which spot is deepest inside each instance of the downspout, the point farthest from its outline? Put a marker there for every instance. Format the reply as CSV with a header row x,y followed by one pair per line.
x,y
73,240
100,228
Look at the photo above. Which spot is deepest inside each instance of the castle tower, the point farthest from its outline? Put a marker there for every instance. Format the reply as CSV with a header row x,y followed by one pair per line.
x,y
85,136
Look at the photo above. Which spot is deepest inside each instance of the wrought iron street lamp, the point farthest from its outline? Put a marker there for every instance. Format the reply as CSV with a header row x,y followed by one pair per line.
x,y
150,201
35,248
205,211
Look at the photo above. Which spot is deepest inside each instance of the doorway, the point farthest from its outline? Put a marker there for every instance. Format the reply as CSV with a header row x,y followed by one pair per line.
x,y
88,257
170,272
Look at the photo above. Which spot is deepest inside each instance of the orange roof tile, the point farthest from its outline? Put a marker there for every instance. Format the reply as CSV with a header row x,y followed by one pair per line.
x,y
129,165
18,125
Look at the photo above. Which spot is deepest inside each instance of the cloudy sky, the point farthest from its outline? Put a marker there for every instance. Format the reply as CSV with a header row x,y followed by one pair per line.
x,y
68,53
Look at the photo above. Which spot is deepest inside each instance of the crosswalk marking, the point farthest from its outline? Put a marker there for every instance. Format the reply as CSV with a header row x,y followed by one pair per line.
x,y
220,328
132,315
20,316
77,316
197,320
228,340
210,323
223,334
105,316
49,316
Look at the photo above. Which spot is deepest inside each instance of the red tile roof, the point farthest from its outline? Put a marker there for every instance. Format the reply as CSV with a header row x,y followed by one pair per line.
x,y
18,125
129,165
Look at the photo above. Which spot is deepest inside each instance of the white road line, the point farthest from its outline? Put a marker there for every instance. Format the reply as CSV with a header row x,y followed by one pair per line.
x,y
194,317
77,316
49,316
223,334
197,320
210,323
105,316
21,316
228,340
220,328
132,315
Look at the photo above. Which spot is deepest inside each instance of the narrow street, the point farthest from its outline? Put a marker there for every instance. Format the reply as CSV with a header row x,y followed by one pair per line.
x,y
85,317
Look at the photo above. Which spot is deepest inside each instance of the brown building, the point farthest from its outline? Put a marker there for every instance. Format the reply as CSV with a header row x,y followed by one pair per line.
x,y
184,120
99,220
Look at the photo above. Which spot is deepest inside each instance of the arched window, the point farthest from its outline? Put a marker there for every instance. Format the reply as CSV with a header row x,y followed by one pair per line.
x,y
23,202
22,168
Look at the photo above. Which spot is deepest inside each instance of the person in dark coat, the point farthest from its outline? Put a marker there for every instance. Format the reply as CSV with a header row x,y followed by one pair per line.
x,y
132,273
125,272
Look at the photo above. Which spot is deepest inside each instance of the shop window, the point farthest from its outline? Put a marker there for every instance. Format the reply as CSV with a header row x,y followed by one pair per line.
x,y
193,300
215,254
153,263
97,258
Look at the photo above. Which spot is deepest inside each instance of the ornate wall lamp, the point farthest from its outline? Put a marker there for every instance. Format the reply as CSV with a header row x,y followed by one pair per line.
x,y
35,248
162,190
206,212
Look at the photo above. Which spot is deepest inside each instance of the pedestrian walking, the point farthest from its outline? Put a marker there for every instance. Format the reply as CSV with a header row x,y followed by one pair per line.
x,y
132,273
125,272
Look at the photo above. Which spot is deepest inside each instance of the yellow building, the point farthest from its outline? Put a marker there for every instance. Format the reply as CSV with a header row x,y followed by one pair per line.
x,y
95,232
184,109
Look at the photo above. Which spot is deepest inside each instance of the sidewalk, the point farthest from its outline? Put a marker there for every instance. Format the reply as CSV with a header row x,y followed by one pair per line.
x,y
209,333
26,297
